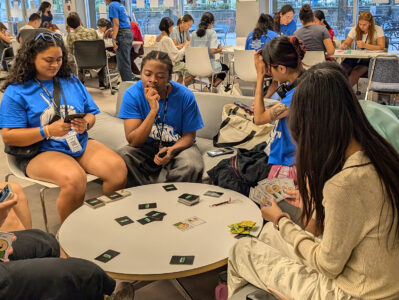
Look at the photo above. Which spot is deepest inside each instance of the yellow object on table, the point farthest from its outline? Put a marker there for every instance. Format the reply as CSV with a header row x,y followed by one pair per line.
x,y
243,227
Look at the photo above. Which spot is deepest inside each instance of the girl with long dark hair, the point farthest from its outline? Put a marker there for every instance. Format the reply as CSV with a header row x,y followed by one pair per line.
x,y
45,13
284,22
206,37
282,59
348,183
320,19
262,33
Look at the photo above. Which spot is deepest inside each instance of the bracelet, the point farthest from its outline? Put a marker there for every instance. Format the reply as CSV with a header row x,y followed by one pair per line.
x,y
47,131
282,215
42,132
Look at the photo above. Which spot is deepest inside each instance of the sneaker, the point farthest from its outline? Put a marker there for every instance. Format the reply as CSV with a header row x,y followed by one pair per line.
x,y
102,87
123,291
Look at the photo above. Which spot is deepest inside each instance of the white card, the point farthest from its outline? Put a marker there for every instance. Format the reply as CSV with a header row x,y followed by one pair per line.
x,y
73,142
194,221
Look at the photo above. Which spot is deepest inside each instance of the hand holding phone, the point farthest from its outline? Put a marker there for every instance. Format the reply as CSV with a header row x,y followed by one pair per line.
x,y
69,118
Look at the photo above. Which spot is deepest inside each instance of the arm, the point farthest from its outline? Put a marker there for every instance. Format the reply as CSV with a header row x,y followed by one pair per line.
x,y
137,131
328,44
115,29
380,44
218,50
345,44
262,115
5,38
186,141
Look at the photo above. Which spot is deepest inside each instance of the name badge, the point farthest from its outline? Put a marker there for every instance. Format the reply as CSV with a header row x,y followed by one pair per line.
x,y
73,142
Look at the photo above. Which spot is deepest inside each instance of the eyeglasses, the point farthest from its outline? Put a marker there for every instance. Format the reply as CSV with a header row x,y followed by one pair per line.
x,y
49,36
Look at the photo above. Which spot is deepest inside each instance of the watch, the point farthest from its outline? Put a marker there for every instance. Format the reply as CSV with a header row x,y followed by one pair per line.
x,y
87,126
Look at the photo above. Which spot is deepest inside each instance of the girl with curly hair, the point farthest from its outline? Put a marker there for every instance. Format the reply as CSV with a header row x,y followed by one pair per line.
x,y
29,114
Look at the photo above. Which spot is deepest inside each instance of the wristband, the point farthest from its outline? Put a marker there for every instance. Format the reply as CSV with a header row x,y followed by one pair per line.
x,y
42,132
47,131
282,215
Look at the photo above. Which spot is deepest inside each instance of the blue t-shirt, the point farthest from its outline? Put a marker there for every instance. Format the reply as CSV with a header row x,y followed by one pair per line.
x,y
288,29
258,44
27,105
282,149
182,115
118,11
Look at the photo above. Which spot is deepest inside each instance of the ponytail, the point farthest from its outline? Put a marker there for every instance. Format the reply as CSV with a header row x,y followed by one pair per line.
x,y
206,20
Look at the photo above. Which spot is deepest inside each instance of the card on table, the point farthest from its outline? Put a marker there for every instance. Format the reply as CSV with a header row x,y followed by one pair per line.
x,y
124,220
169,187
145,220
181,260
183,226
147,205
213,194
194,221
156,215
107,256
94,203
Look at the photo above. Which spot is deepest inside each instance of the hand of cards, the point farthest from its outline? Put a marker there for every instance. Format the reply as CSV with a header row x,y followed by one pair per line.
x,y
271,188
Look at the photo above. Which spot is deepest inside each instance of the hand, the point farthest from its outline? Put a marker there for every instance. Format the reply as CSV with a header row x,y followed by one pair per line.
x,y
6,206
343,46
260,65
115,45
270,212
295,198
79,125
160,161
220,47
360,44
152,97
10,250
59,128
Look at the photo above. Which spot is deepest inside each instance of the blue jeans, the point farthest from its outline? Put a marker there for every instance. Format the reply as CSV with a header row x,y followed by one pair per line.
x,y
124,41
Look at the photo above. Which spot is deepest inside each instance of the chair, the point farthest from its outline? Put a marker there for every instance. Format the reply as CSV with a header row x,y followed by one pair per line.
x,y
313,58
383,75
92,55
17,172
6,57
198,63
244,67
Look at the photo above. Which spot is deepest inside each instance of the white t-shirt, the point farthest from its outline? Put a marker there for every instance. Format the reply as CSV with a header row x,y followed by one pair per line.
x,y
377,34
166,45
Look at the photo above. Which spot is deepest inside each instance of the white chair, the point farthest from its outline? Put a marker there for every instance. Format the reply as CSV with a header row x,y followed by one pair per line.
x,y
240,42
17,172
244,66
313,58
198,63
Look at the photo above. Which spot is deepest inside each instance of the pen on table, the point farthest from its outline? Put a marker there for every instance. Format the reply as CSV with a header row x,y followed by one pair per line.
x,y
220,203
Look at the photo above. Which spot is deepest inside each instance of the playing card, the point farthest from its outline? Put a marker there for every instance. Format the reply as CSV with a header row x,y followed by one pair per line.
x,y
194,221
124,220
94,203
182,260
183,226
169,187
286,184
156,215
5,244
213,194
145,220
107,256
272,188
147,205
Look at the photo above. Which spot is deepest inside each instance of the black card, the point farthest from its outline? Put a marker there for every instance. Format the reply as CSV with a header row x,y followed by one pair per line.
x,y
147,205
213,194
156,215
107,256
94,203
145,220
189,197
182,260
170,187
124,220
115,196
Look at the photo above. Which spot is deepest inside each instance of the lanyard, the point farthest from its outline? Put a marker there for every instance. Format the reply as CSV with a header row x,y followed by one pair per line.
x,y
181,36
160,132
46,91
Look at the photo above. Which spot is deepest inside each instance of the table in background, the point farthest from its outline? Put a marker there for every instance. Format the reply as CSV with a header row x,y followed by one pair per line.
x,y
342,54
146,250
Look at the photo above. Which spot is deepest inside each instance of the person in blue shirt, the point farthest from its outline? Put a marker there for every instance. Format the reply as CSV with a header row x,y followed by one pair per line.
x,y
262,33
284,22
161,119
282,59
29,114
122,37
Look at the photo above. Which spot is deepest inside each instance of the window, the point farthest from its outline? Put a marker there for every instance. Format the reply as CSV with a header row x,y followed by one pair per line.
x,y
58,12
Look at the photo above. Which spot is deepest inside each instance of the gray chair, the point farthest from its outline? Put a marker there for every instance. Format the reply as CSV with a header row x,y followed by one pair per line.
x,y
6,57
383,75
92,55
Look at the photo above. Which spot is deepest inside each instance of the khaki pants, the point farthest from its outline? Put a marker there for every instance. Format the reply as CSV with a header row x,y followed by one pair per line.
x,y
270,262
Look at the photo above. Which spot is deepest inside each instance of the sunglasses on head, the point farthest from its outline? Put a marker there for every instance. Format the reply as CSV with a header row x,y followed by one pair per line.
x,y
49,36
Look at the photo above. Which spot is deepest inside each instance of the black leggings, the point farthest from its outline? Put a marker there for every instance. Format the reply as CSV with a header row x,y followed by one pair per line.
x,y
222,76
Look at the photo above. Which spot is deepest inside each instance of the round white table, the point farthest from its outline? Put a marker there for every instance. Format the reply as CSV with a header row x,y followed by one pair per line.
x,y
146,250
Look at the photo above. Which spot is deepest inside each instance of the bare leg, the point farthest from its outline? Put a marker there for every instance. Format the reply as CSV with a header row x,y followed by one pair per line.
x,y
64,171
180,78
101,161
356,73
21,209
12,223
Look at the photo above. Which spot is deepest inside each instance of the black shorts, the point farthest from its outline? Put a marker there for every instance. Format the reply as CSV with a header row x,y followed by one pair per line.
x,y
353,62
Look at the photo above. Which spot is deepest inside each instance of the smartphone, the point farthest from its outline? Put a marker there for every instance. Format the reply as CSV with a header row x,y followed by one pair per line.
x,y
221,151
245,107
6,193
69,118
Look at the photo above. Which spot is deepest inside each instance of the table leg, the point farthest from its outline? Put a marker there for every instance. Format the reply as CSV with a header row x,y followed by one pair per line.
x,y
180,289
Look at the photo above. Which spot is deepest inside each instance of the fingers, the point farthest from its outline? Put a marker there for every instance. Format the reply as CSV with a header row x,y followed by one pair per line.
x,y
8,204
293,193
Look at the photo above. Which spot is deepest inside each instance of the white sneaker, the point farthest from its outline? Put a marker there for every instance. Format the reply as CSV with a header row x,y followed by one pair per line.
x,y
123,291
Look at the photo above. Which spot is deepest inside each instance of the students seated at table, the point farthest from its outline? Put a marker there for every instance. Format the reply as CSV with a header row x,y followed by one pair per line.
x,y
314,37
282,59
45,13
204,36
284,22
368,36
262,33
161,120
320,19
137,50
349,184
33,22
164,43
34,261
29,114
104,30
180,34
